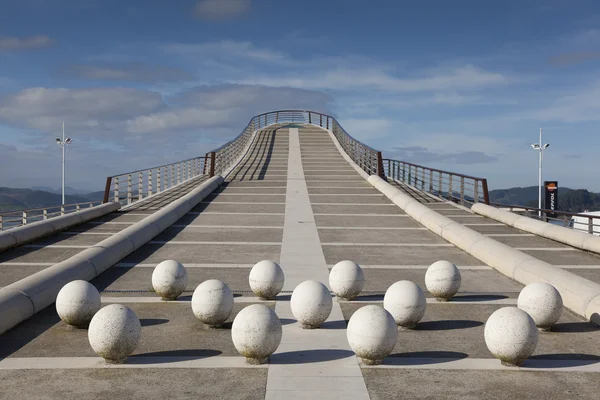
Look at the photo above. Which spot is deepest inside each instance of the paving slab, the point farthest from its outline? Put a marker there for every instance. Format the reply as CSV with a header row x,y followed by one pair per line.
x,y
387,384
388,255
44,254
458,330
13,273
367,221
231,220
205,253
378,236
473,282
179,383
168,329
252,190
140,278
575,257
72,240
221,234
246,198
350,199
529,241
494,229
355,209
342,191
240,208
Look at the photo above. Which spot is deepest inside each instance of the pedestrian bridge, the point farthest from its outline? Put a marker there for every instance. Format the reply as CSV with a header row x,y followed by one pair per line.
x,y
296,188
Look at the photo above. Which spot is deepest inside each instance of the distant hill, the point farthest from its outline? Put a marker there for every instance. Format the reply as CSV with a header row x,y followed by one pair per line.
x,y
569,200
20,199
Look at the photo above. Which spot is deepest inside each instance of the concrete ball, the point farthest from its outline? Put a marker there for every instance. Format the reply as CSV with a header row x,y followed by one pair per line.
x,y
77,303
372,334
311,304
114,333
256,333
212,302
406,302
169,279
442,280
266,279
542,302
511,335
346,279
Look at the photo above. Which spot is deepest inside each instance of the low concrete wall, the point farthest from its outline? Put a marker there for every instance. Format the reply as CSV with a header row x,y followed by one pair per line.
x,y
30,295
580,295
581,240
24,234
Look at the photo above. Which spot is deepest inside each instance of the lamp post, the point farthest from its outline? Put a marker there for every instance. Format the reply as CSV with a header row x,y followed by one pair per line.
x,y
63,142
540,148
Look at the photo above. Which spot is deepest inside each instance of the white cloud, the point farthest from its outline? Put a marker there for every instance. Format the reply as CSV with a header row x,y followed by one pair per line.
x,y
132,72
8,43
44,108
222,9
376,77
227,49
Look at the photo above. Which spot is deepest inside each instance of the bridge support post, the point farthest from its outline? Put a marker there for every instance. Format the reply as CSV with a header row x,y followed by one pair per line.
x,y
380,170
486,194
107,189
212,164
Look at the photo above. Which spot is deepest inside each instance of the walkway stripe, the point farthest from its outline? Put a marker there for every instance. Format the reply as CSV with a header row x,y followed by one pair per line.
x,y
241,203
433,300
110,223
388,244
195,226
181,300
14,363
354,204
488,364
186,265
231,213
372,228
363,215
509,234
218,243
302,252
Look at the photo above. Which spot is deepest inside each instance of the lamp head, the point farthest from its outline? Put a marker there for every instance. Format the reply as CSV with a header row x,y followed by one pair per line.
x,y
535,146
58,140
68,140
546,145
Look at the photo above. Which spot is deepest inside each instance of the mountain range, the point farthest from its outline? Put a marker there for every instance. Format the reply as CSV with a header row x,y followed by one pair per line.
x,y
12,199
570,200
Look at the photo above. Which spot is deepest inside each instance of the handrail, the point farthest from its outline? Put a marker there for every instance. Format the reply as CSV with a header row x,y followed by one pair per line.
x,y
30,215
593,221
456,187
217,161
366,157
151,180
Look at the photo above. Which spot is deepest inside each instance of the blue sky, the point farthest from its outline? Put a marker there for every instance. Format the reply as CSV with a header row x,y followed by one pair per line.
x,y
462,85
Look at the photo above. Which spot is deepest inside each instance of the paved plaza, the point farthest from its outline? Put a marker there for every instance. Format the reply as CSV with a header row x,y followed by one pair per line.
x,y
296,200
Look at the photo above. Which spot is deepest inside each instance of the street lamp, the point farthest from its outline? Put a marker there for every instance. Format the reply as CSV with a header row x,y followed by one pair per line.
x,y
63,142
540,148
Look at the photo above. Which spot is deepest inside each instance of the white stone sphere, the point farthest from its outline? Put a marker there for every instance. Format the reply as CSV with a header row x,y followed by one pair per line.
x,y
266,279
212,302
311,304
442,280
346,279
511,335
77,302
372,333
169,279
542,302
406,302
256,333
114,333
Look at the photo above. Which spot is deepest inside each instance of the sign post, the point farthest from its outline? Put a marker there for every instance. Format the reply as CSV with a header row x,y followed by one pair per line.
x,y
551,198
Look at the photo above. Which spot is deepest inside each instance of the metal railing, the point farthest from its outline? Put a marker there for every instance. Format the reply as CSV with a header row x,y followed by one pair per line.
x,y
13,219
134,186
137,185
589,223
459,188
364,156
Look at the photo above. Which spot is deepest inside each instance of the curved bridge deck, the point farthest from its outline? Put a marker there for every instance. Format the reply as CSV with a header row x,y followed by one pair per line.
x,y
296,200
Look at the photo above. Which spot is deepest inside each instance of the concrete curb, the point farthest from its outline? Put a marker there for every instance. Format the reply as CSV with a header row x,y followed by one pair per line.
x,y
24,298
580,240
24,234
580,295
